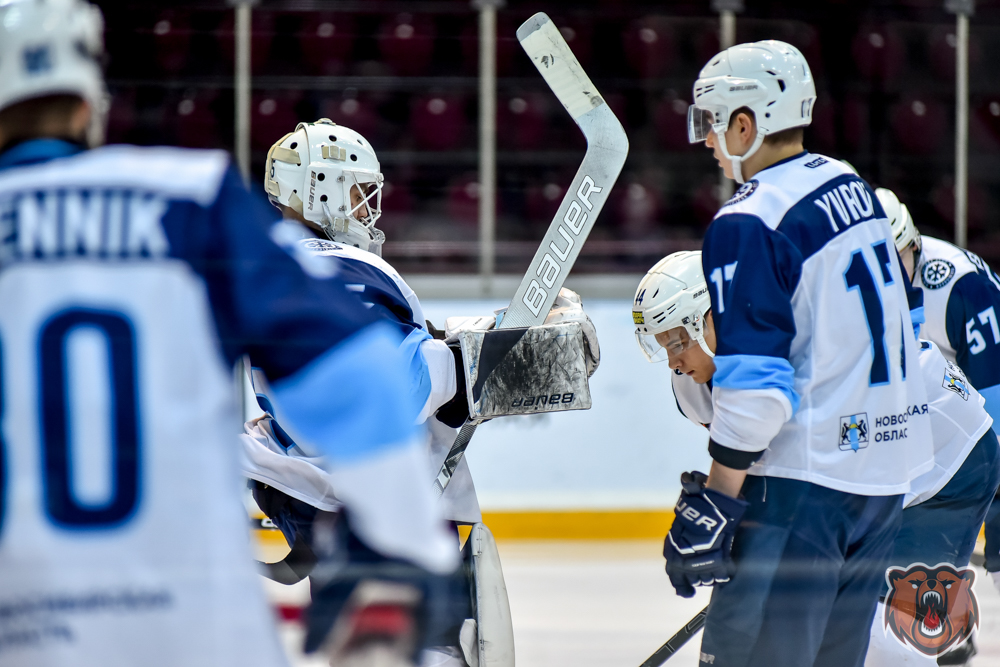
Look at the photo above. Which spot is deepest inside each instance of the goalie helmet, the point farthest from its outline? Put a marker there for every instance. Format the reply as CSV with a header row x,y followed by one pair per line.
x,y
672,294
904,232
770,78
53,47
313,170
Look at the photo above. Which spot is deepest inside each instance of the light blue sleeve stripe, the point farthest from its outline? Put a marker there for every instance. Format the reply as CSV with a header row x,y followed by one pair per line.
x,y
750,371
992,405
917,318
420,376
354,402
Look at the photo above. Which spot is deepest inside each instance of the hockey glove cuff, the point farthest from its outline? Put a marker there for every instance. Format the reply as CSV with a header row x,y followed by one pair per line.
x,y
455,412
698,545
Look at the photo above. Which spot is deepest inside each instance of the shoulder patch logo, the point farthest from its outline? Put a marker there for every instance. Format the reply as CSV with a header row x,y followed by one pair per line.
x,y
320,244
745,191
815,163
936,273
854,432
954,380
931,609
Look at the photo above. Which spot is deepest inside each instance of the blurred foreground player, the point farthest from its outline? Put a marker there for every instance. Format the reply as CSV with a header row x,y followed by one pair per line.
x,y
813,351
131,280
945,506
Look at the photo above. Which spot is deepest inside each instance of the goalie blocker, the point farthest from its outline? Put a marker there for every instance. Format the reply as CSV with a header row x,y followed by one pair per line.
x,y
528,370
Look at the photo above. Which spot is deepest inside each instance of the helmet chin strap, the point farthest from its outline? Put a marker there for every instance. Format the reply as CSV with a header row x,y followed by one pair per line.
x,y
737,160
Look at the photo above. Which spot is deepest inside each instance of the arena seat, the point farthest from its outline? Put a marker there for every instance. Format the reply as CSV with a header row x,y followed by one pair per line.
x,y
463,200
522,122
821,135
670,121
542,198
507,46
326,40
121,117
919,124
195,124
261,37
406,42
359,114
650,46
171,40
941,43
271,117
978,206
878,52
438,122
855,116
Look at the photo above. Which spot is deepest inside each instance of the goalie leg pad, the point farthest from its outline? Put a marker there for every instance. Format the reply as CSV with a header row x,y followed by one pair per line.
x,y
494,633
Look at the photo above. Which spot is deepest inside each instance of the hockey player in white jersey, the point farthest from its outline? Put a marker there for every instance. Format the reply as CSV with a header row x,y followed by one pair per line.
x,y
326,180
131,280
961,302
944,507
813,351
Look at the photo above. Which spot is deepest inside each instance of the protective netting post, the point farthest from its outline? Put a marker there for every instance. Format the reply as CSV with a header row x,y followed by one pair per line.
x,y
487,139
727,37
962,9
241,83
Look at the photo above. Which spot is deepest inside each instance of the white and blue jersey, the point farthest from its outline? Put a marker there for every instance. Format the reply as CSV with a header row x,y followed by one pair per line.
x,y
815,345
131,280
273,458
961,306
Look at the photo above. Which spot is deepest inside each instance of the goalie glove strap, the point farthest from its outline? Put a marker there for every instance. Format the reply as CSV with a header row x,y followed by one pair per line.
x,y
455,412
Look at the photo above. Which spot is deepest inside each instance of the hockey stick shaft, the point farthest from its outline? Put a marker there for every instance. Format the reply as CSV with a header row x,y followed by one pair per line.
x,y
675,643
607,148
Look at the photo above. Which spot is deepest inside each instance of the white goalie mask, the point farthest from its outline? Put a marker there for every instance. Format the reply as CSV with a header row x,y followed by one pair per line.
x,y
672,294
770,78
313,171
904,232
54,47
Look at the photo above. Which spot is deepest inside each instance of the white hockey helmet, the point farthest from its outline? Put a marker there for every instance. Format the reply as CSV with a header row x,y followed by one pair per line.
x,y
770,78
904,232
672,294
53,47
312,171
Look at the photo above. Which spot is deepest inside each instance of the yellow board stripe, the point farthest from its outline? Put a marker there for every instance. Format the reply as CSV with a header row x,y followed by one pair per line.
x,y
580,525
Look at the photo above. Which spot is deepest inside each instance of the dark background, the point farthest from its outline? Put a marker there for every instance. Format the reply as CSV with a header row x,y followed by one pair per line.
x,y
404,75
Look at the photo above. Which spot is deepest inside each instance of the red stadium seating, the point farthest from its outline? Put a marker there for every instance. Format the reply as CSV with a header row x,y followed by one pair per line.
x,y
171,41
978,204
984,126
326,40
358,114
941,45
856,119
271,117
670,119
438,122
463,200
507,46
919,124
879,52
406,42
522,122
121,117
542,199
822,133
638,209
650,46
195,125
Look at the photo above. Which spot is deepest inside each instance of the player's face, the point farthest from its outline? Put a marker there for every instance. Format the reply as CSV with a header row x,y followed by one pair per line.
x,y
357,198
684,354
739,138
909,258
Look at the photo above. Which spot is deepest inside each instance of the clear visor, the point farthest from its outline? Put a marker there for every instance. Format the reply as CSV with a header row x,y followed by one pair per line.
x,y
660,347
701,121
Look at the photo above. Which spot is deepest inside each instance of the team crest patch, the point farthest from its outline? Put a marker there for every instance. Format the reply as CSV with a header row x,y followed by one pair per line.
x,y
320,244
745,191
931,609
936,273
954,380
854,432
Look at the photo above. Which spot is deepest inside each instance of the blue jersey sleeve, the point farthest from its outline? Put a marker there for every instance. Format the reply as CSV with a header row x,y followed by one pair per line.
x,y
751,272
974,333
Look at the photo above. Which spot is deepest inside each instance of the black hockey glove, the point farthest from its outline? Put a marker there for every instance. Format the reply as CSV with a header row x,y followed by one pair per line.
x,y
698,544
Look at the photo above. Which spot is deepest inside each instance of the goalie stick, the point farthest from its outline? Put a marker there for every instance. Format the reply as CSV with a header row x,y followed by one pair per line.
x,y
607,148
675,643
